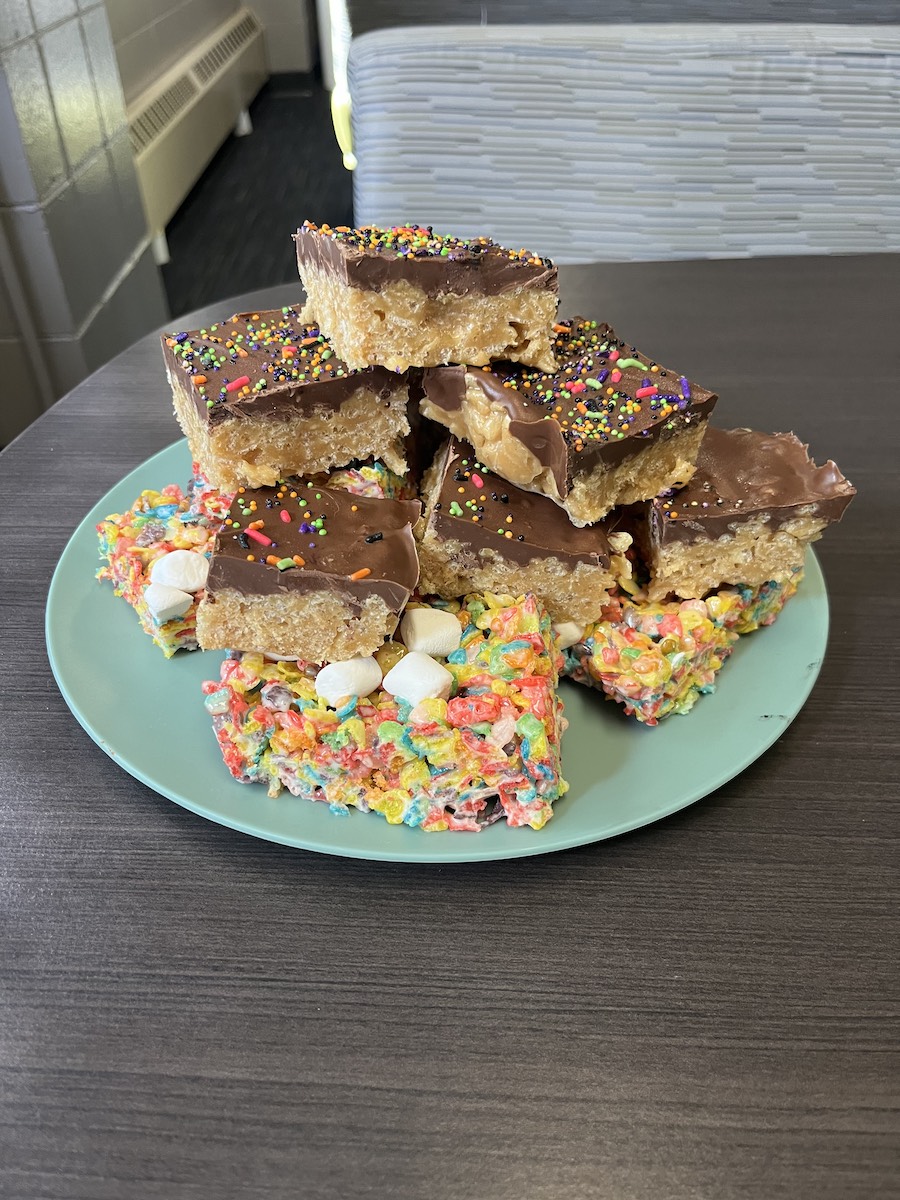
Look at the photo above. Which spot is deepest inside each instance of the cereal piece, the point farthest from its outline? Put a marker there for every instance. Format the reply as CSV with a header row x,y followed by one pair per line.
x,y
309,571
480,532
605,426
264,395
490,752
407,296
747,516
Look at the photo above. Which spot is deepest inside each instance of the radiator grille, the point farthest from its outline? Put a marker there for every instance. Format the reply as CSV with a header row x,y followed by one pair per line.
x,y
151,121
225,49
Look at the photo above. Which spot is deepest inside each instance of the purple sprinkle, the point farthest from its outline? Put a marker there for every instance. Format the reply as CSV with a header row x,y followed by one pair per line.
x,y
181,337
685,387
602,376
647,383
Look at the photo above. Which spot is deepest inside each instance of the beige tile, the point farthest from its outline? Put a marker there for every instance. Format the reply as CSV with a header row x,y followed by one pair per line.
x,y
126,17
105,71
35,261
49,12
25,106
20,402
72,89
137,307
86,235
16,22
132,217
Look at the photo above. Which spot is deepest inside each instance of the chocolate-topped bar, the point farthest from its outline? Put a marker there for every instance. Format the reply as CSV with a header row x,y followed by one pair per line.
x,y
309,572
264,395
481,533
606,426
407,296
754,504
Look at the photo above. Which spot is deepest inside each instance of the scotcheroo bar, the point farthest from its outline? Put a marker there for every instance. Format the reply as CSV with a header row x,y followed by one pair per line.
x,y
263,395
606,426
407,296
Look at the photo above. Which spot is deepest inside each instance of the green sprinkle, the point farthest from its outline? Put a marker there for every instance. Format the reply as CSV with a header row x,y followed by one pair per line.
x,y
455,510
284,563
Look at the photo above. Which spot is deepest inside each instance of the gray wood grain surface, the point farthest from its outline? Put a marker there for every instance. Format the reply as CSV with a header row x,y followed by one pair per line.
x,y
706,1008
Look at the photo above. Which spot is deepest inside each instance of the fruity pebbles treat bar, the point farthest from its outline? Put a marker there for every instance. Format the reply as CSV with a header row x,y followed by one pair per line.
x,y
156,556
264,395
656,658
407,296
747,515
602,426
481,532
454,744
310,572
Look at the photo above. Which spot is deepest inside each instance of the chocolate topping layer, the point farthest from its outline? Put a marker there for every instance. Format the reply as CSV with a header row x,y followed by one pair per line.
x,y
475,506
370,258
336,534
605,402
743,474
267,364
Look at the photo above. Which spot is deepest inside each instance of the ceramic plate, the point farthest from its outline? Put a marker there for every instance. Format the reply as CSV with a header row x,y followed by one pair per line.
x,y
147,713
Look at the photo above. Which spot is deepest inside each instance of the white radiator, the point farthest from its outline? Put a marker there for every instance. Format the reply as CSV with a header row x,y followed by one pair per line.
x,y
177,125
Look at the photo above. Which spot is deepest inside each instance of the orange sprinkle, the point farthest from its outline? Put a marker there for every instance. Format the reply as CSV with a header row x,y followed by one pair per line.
x,y
361,573
198,380
249,558
354,508
560,328
170,341
301,562
272,559
256,525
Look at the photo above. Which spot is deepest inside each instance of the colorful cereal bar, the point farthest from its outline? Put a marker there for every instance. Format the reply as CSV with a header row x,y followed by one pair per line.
x,y
605,426
156,556
263,395
408,296
482,748
655,658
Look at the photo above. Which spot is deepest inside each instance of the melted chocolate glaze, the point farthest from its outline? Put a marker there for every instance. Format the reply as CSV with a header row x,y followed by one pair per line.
x,y
359,533
539,528
295,362
743,474
588,410
475,266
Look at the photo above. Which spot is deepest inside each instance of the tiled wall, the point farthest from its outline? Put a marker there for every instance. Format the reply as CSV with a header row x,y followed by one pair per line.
x,y
79,280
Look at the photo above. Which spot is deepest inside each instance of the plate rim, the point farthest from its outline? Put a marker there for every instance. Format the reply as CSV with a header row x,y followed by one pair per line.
x,y
471,848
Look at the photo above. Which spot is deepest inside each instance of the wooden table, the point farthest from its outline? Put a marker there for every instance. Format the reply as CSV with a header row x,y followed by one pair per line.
x,y
704,1008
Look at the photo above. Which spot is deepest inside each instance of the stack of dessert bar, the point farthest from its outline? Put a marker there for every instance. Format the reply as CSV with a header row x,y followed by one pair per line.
x,y
433,496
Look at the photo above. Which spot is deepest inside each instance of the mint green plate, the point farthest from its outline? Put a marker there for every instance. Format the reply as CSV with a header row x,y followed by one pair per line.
x,y
147,713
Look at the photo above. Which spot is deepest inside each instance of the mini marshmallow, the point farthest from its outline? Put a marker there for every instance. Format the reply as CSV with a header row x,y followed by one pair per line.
x,y
418,677
183,569
165,603
430,631
339,681
567,634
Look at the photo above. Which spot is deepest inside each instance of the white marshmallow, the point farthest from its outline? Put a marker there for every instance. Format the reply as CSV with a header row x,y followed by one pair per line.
x,y
183,569
567,634
339,681
418,677
431,631
166,603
